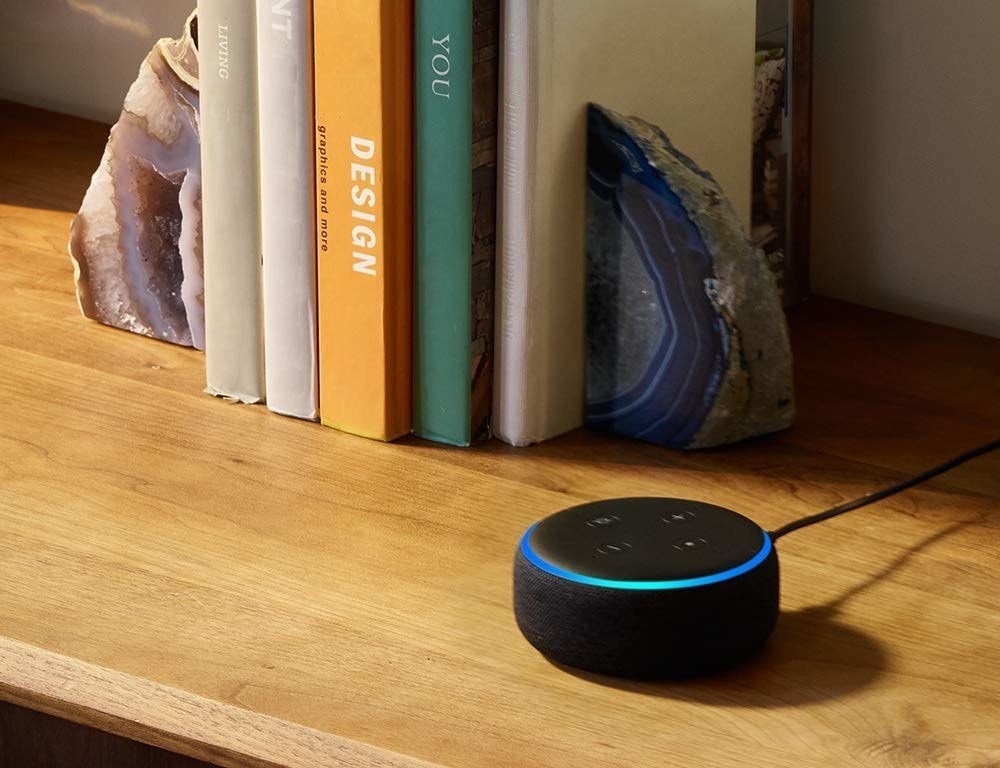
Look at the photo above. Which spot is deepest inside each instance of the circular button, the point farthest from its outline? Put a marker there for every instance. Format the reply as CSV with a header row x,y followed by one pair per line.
x,y
603,521
690,544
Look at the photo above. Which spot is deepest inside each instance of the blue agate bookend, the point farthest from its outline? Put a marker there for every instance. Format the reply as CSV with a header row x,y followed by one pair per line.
x,y
687,343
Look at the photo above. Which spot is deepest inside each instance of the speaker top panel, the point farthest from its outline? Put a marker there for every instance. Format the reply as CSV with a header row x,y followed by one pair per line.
x,y
646,543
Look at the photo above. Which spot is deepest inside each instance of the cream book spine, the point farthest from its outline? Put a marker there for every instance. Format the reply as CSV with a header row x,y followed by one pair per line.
x,y
288,229
234,341
685,65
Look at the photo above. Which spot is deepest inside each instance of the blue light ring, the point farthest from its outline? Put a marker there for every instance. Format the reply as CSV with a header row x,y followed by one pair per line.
x,y
593,581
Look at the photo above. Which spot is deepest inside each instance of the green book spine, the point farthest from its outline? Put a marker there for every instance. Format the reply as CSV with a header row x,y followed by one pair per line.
x,y
456,51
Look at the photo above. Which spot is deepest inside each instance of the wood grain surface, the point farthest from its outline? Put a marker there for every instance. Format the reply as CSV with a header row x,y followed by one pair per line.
x,y
253,591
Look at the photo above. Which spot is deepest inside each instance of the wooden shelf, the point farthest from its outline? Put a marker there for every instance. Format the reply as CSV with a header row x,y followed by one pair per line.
x,y
254,591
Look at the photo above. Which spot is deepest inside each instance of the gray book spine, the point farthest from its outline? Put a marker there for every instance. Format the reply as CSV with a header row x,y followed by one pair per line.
x,y
231,200
285,80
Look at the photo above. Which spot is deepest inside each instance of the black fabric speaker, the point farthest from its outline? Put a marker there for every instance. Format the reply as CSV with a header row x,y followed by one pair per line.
x,y
647,587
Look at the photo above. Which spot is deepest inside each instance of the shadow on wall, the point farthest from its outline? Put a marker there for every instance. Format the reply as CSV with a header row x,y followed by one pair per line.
x,y
80,56
76,154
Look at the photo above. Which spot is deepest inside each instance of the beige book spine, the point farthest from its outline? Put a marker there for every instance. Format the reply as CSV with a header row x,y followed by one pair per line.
x,y
234,348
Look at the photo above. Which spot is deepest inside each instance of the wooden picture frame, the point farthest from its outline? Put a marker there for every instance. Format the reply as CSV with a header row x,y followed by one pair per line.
x,y
800,171
783,154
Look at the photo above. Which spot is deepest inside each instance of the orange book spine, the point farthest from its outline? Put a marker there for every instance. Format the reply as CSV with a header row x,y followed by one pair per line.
x,y
364,181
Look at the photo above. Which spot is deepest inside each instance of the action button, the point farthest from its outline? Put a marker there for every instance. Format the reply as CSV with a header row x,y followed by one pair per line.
x,y
690,544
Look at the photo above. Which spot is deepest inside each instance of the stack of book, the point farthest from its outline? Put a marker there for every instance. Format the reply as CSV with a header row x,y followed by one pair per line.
x,y
354,219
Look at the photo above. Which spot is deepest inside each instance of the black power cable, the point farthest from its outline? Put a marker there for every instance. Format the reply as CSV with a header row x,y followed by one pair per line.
x,y
874,496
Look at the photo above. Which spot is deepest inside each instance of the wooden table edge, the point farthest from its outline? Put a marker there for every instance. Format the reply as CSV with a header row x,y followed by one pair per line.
x,y
172,719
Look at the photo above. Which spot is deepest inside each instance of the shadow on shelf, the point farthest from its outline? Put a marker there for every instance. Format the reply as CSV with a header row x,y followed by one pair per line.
x,y
769,457
812,657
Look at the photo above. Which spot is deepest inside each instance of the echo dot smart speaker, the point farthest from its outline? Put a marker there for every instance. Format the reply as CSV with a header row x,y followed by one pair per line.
x,y
646,587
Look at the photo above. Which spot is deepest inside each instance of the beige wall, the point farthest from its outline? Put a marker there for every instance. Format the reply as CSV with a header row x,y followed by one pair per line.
x,y
906,186
80,56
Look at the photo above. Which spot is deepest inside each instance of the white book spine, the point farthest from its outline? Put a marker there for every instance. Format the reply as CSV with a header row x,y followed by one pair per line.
x,y
538,383
234,348
285,81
